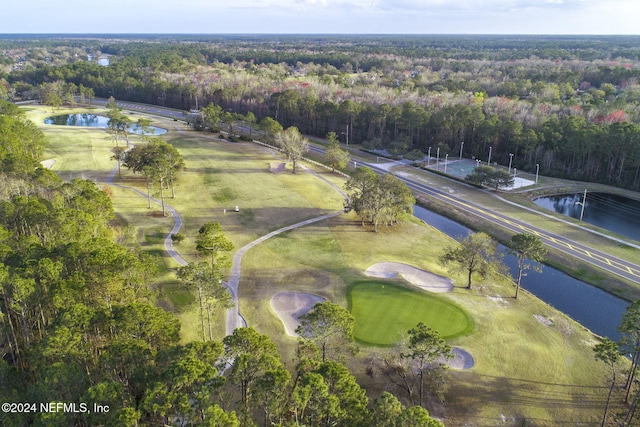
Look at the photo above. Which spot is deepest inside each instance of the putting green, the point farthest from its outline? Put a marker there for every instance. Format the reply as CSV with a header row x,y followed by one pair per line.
x,y
384,312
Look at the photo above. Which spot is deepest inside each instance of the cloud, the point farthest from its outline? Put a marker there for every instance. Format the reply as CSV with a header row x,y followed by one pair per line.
x,y
329,16
262,4
479,5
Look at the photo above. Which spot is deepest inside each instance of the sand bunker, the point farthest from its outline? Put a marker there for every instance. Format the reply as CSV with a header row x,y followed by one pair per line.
x,y
289,306
461,359
420,278
48,164
276,167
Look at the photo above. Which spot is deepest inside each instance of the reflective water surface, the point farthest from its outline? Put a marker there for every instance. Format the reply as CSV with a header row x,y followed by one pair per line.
x,y
84,120
93,120
609,211
595,309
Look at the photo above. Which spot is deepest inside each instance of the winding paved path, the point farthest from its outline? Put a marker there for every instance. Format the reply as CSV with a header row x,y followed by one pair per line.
x,y
168,243
234,318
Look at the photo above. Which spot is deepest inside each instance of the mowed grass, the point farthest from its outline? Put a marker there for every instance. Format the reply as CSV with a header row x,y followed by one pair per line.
x,y
384,312
531,362
218,176
542,372
609,282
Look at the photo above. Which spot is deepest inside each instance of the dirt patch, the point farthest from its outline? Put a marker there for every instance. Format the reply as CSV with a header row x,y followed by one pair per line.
x,y
276,167
543,320
419,278
289,306
499,301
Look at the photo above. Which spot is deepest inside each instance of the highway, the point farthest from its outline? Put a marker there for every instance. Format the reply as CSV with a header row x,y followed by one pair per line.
x,y
592,256
617,266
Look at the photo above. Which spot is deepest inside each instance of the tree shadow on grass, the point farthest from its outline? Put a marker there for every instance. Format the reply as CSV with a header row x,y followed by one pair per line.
x,y
583,403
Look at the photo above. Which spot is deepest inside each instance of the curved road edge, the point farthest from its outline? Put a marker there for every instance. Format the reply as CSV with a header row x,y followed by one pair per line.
x,y
234,318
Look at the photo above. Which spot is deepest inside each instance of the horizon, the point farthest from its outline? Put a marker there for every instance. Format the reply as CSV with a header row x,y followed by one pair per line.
x,y
323,17
246,34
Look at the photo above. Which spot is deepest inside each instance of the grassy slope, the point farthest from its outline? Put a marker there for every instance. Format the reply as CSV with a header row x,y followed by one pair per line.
x,y
516,355
610,283
523,367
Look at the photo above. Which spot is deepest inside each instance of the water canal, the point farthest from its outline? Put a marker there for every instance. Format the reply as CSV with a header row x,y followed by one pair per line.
x,y
595,309
609,211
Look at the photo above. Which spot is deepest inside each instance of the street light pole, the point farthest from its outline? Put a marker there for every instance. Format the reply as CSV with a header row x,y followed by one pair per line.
x,y
438,159
583,202
510,160
461,147
537,171
429,157
446,160
346,136
489,161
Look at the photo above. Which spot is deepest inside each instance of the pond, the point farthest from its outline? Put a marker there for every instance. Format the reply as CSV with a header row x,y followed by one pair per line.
x,y
609,211
102,60
595,309
93,120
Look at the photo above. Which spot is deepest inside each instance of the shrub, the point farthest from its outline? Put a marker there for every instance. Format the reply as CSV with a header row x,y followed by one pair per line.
x,y
414,155
177,238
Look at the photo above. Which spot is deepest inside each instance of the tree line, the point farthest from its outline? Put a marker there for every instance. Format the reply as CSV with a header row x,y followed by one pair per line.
x,y
625,389
558,103
79,324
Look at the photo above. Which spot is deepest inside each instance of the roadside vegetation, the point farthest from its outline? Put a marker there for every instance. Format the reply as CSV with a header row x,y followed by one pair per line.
x,y
118,325
541,217
567,104
328,257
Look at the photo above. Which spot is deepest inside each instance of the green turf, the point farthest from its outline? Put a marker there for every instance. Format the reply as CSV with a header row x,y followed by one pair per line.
x,y
524,369
384,312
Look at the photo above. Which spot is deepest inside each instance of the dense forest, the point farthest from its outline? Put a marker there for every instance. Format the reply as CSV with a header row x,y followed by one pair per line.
x,y
570,104
79,322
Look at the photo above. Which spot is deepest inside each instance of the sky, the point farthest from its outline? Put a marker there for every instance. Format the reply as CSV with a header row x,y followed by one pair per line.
x,y
323,16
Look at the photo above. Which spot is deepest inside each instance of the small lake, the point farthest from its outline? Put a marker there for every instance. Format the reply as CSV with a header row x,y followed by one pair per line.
x,y
609,211
102,60
595,309
94,121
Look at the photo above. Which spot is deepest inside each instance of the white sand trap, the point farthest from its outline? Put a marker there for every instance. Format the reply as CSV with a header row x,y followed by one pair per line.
x,y
420,278
48,164
289,306
276,167
461,359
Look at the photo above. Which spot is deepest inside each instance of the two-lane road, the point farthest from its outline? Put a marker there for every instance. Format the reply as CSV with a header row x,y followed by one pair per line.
x,y
620,267
149,109
585,253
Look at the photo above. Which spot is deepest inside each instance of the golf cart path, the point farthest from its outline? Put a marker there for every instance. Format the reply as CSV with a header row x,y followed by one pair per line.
x,y
234,318
168,243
